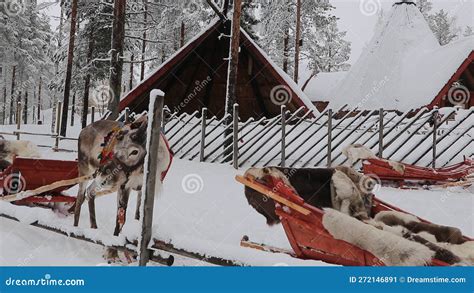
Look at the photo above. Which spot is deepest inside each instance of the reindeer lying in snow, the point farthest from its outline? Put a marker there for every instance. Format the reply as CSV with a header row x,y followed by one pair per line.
x,y
397,238
341,188
123,171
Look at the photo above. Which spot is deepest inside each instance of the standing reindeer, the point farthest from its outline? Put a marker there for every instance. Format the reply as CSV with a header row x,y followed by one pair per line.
x,y
123,171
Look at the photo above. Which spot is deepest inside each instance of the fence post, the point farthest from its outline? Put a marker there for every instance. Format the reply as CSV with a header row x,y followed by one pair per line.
x,y
435,134
92,114
381,126
203,134
127,115
58,124
18,120
235,142
148,190
283,135
329,161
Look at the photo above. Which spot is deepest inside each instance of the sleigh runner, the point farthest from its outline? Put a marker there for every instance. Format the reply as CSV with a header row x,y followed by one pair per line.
x,y
395,171
309,239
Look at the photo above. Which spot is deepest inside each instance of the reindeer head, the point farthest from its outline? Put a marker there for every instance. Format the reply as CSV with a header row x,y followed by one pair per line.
x,y
130,149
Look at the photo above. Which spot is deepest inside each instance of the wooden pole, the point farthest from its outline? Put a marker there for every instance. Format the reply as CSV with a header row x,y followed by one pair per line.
x,y
12,93
70,57
435,134
273,195
297,40
18,119
283,136
235,139
182,34
87,81
58,125
25,109
73,108
145,17
381,126
130,81
116,57
231,98
329,161
154,128
203,134
38,110
92,114
4,107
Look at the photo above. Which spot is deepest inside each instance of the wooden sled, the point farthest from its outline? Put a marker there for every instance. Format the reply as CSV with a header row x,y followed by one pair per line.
x,y
307,236
383,170
32,181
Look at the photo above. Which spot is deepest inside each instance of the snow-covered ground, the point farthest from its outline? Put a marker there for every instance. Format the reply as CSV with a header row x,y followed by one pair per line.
x,y
202,209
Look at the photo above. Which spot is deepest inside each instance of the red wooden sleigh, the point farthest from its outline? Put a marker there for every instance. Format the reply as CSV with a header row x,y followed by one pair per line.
x,y
382,169
30,174
307,236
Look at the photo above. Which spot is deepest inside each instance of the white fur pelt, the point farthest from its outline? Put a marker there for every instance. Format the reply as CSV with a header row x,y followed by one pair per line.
x,y
19,148
386,246
355,152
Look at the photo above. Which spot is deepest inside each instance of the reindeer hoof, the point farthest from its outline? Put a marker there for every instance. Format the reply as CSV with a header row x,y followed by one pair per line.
x,y
111,255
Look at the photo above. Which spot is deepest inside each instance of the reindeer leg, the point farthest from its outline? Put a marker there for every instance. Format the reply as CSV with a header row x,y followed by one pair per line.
x,y
91,203
122,202
139,202
81,196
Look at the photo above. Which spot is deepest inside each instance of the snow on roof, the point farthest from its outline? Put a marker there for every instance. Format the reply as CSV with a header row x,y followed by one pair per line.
x,y
403,66
320,87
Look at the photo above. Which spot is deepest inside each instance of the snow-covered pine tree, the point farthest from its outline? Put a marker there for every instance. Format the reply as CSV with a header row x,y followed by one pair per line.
x,y
25,38
443,26
425,7
468,31
325,46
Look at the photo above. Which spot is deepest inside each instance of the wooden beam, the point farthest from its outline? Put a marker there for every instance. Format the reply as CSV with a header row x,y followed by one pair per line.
x,y
156,258
217,10
268,192
160,245
151,171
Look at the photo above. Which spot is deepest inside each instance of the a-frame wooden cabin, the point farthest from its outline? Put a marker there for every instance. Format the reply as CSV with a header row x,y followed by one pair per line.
x,y
196,77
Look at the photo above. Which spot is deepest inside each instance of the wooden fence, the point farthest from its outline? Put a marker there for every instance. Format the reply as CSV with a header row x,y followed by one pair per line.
x,y
299,139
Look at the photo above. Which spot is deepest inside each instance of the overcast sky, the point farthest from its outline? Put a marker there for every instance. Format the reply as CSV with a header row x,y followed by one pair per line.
x,y
358,17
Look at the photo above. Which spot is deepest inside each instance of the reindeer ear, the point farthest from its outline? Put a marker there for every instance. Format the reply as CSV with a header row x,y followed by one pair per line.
x,y
140,133
139,122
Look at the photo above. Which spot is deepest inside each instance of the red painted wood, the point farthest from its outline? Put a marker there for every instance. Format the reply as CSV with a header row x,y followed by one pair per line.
x,y
39,172
444,90
384,171
310,240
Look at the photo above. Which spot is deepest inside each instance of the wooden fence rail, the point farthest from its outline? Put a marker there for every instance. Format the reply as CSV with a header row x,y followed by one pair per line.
x,y
424,137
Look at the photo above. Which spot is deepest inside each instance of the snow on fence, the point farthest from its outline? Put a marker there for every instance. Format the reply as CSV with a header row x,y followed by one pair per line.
x,y
425,137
